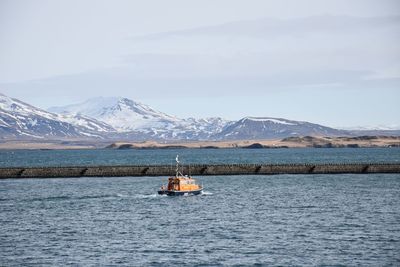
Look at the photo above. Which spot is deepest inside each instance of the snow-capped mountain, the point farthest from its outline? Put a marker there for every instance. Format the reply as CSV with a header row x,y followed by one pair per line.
x,y
196,129
121,113
138,121
393,127
124,119
21,120
269,128
86,122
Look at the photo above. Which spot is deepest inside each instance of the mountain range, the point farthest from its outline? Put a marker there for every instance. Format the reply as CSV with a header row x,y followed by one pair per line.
x,y
124,119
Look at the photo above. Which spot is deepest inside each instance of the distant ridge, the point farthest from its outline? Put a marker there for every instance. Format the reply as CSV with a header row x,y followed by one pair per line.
x,y
269,128
124,119
19,120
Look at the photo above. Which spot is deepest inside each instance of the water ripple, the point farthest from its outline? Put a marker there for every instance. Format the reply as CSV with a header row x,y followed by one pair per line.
x,y
281,220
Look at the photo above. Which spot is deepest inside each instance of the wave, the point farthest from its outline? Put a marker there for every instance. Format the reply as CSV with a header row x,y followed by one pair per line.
x,y
61,198
104,196
146,196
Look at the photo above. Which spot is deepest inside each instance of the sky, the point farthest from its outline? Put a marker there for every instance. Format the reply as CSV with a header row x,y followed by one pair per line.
x,y
335,63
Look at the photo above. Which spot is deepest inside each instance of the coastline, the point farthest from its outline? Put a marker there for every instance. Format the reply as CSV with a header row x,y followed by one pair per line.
x,y
290,142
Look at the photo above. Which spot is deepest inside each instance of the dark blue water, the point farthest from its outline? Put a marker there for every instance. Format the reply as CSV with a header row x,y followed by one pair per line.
x,y
240,220
26,158
268,220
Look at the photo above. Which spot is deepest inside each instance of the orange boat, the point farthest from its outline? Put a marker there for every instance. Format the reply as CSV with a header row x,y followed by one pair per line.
x,y
180,184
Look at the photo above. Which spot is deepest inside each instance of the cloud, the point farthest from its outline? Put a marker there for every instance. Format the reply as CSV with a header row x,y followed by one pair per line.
x,y
244,57
272,46
273,28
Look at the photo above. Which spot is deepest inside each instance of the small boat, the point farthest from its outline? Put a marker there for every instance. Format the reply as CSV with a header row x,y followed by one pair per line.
x,y
180,185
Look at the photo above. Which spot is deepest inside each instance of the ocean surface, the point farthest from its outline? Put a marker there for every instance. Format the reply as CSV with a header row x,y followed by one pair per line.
x,y
280,220
28,158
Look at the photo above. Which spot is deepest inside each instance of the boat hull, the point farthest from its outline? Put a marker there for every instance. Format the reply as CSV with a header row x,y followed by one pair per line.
x,y
179,193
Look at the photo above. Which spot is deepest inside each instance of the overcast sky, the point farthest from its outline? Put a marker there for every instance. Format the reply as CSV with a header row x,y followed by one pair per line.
x,y
331,62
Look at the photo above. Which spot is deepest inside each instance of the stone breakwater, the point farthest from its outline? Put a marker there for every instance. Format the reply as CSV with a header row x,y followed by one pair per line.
x,y
168,170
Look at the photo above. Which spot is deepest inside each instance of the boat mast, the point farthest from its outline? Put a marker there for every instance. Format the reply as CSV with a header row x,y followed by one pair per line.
x,y
177,166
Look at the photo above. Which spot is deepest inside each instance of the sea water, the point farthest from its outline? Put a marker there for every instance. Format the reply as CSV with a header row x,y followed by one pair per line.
x,y
347,219
29,158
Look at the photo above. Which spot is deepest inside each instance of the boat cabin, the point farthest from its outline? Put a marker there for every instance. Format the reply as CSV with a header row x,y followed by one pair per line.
x,y
182,183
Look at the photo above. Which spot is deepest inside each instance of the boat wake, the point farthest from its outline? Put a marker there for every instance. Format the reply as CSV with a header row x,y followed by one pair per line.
x,y
74,198
205,193
146,196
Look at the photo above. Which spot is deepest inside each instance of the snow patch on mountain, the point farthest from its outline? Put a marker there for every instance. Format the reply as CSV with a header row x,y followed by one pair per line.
x,y
393,127
122,114
93,107
86,122
271,128
20,120
17,108
273,120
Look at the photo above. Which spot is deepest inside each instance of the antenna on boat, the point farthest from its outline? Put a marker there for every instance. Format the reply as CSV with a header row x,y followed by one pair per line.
x,y
177,166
